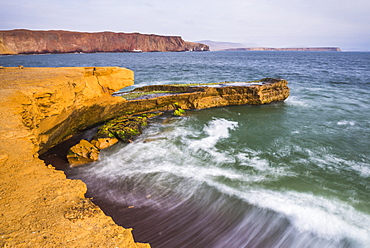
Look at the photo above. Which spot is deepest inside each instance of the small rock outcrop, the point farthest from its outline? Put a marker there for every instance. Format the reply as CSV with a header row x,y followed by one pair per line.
x,y
22,41
82,153
102,143
123,128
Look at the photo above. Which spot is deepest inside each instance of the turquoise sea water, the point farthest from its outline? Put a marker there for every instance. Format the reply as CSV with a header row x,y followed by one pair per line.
x,y
290,174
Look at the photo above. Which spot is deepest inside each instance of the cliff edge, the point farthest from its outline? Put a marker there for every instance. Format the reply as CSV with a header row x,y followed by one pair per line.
x,y
22,41
39,207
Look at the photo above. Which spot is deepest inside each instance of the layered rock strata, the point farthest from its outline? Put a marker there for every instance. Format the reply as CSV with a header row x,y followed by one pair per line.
x,y
39,107
23,41
200,96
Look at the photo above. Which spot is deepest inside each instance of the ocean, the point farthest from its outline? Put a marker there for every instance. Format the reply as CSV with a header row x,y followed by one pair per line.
x,y
288,174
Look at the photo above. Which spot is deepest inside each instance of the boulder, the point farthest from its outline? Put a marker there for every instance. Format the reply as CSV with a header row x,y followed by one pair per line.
x,y
82,153
102,143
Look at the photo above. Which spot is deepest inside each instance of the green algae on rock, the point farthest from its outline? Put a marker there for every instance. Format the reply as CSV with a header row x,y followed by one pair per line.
x,y
123,128
178,110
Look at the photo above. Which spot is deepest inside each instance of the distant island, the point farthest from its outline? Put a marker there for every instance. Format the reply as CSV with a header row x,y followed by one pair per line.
x,y
305,49
22,41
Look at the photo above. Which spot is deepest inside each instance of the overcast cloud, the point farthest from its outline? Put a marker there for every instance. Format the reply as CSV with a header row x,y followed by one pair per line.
x,y
283,23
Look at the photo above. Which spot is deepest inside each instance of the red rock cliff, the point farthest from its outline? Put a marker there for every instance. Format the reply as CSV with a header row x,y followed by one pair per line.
x,y
36,42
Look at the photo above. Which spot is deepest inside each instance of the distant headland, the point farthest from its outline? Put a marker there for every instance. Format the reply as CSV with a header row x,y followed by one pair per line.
x,y
304,49
22,41
231,46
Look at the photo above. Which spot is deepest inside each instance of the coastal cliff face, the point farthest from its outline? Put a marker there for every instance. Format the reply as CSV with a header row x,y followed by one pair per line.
x,y
39,42
39,207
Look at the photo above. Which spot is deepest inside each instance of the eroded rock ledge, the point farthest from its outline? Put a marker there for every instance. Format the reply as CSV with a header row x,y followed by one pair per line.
x,y
40,107
158,98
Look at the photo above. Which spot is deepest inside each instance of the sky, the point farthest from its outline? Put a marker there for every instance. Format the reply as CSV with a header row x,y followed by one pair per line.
x,y
269,23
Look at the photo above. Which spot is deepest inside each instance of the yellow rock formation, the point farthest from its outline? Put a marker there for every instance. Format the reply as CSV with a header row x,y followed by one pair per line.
x,y
82,153
39,107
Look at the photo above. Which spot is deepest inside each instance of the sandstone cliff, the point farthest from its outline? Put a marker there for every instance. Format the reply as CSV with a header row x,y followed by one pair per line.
x,y
37,42
39,207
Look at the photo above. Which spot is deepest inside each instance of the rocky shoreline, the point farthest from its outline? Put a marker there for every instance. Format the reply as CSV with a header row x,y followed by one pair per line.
x,y
40,107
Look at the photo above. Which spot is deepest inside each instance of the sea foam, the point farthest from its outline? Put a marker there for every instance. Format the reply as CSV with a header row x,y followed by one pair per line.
x,y
327,218
216,130
346,123
176,162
